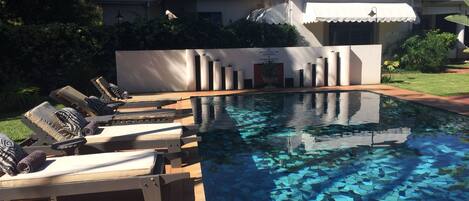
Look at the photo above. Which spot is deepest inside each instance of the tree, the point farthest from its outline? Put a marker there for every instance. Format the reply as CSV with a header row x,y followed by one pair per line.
x,y
81,12
459,19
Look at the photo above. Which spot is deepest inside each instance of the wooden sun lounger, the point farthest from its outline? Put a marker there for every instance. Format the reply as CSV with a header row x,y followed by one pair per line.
x,y
103,87
70,97
168,136
94,173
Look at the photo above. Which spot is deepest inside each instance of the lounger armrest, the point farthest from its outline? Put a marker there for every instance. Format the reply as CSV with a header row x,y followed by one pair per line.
x,y
170,178
191,138
47,149
69,146
189,128
100,119
115,105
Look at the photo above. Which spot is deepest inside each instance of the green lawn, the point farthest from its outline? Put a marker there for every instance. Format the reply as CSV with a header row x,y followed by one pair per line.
x,y
11,125
441,84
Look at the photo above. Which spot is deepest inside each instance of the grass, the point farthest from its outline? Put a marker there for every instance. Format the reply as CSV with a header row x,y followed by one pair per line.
x,y
11,125
440,84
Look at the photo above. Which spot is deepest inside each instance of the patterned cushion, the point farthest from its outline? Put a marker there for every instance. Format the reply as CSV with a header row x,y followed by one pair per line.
x,y
10,154
66,133
71,120
99,106
118,92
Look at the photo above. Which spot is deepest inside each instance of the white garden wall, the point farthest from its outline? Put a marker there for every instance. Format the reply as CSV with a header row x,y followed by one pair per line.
x,y
167,70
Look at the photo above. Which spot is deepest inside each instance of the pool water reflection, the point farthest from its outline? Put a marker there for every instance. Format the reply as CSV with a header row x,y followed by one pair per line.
x,y
330,146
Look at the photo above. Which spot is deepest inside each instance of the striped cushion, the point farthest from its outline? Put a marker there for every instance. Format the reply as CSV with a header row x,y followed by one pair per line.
x,y
118,92
71,120
10,154
99,106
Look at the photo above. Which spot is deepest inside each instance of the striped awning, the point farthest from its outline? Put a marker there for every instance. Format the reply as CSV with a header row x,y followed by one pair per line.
x,y
359,12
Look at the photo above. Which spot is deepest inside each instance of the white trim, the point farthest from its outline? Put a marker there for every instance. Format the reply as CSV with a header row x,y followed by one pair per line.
x,y
358,12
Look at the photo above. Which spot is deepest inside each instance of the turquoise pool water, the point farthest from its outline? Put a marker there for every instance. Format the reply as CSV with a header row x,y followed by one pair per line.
x,y
330,146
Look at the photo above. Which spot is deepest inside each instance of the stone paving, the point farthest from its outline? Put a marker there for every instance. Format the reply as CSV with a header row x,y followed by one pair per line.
x,y
463,70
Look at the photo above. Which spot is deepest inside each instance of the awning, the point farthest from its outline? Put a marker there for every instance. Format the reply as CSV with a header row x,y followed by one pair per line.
x,y
359,12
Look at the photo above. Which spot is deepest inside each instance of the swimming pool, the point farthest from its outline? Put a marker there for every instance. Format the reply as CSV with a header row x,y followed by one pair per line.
x,y
330,146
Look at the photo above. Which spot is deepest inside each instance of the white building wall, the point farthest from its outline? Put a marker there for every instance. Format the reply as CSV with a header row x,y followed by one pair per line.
x,y
292,12
281,10
166,70
389,35
297,11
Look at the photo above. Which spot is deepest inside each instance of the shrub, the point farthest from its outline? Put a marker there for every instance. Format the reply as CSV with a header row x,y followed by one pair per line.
x,y
182,33
52,55
388,68
82,12
19,98
255,34
427,52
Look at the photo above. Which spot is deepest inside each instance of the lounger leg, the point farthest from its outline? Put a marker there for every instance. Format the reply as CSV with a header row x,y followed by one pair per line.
x,y
175,148
151,188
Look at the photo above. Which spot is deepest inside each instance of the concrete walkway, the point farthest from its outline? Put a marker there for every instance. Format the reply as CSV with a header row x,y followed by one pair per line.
x,y
463,98
463,70
453,104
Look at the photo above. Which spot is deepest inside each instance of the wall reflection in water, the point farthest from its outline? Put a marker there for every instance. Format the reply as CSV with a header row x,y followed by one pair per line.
x,y
356,113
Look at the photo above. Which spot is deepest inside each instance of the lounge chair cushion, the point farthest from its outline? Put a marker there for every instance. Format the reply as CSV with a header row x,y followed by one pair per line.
x,y
160,113
10,154
72,120
118,92
97,105
43,118
137,132
82,168
72,98
104,86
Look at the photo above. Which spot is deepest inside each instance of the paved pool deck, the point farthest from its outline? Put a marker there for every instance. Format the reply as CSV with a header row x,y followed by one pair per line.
x,y
192,160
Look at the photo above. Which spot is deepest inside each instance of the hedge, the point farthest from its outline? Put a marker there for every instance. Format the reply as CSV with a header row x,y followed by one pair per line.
x,y
49,56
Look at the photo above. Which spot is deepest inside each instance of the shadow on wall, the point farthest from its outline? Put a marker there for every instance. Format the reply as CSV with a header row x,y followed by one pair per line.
x,y
155,68
355,69
166,70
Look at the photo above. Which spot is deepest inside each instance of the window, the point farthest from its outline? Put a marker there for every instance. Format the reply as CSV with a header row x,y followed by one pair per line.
x,y
213,17
351,33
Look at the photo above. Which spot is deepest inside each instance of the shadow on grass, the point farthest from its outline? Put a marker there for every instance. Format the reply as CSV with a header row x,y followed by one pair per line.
x,y
10,116
460,94
397,82
457,66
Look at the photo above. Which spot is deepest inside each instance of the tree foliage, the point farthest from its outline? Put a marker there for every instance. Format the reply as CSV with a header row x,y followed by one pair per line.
x,y
29,12
459,19
46,44
56,54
